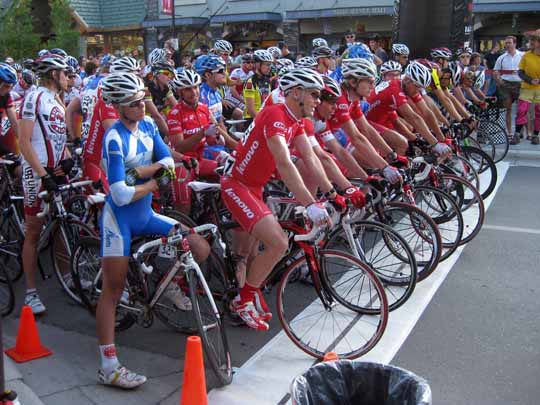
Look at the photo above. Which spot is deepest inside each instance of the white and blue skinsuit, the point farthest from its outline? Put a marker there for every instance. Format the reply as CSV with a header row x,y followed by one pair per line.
x,y
123,218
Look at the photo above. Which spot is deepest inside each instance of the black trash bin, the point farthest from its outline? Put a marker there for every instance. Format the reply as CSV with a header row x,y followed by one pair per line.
x,y
347,382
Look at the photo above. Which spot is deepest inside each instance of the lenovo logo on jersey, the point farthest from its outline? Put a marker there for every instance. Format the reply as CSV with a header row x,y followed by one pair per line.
x,y
229,191
249,155
279,125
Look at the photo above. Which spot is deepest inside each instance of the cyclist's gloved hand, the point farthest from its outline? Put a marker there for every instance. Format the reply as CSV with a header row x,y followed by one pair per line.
x,y
131,177
67,165
317,213
211,131
49,184
392,174
356,196
189,162
442,149
339,202
164,176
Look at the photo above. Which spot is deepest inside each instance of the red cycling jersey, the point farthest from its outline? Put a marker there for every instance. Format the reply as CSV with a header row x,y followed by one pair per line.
x,y
186,120
384,101
94,141
345,111
254,164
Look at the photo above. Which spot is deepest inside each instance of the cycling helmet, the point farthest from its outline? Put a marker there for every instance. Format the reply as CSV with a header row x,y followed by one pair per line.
x,y
222,45
428,63
106,60
7,74
43,52
159,66
28,63
418,73
59,51
462,51
480,79
50,62
18,68
285,69
247,57
9,60
331,86
262,55
205,63
306,78
185,79
358,68
72,62
400,49
358,50
306,62
284,62
157,55
322,52
317,42
390,66
118,87
125,64
443,53
456,71
28,77
275,52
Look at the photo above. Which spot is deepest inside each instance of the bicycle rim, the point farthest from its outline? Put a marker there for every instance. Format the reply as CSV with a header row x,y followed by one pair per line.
x,y
318,327
485,167
211,329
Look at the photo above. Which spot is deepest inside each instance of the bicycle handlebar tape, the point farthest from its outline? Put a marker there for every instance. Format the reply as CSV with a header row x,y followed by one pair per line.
x,y
194,385
28,346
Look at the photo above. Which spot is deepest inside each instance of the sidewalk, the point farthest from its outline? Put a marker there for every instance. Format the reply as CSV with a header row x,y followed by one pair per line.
x,y
523,152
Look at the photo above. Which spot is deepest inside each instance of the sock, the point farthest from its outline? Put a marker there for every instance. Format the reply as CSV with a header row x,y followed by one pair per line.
x,y
518,129
246,293
109,361
30,291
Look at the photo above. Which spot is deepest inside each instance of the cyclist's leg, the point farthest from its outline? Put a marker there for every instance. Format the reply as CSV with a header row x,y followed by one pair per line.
x,y
396,141
181,193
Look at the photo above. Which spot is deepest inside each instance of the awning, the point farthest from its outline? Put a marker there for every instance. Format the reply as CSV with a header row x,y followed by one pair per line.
x,y
166,22
339,12
249,17
506,7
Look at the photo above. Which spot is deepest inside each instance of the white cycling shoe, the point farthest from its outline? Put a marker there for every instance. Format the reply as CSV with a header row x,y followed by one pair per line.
x,y
121,377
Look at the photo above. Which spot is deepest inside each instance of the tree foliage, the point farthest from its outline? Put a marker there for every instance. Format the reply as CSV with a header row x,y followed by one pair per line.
x,y
63,35
17,38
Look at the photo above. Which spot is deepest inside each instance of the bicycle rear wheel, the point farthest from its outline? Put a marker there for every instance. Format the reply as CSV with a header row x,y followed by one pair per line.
x,y
11,242
7,295
486,168
211,327
318,322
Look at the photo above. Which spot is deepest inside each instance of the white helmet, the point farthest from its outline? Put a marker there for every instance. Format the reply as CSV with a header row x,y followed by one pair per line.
x,y
390,66
400,49
50,61
443,53
331,86
222,45
306,78
322,52
157,55
262,55
284,62
118,87
419,74
317,42
285,69
456,70
275,52
480,79
306,62
185,79
358,68
125,64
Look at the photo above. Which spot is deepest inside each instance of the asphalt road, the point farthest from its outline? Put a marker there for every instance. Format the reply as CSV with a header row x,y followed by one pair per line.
x,y
476,343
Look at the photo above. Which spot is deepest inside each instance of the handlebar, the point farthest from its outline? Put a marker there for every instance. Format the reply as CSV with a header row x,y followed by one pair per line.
x,y
311,235
44,194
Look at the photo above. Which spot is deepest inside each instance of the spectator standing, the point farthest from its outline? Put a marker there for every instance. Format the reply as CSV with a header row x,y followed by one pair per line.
x,y
285,53
508,81
376,48
529,72
489,61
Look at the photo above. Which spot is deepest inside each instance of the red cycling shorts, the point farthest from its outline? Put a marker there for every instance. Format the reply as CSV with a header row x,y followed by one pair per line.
x,y
245,203
94,171
181,193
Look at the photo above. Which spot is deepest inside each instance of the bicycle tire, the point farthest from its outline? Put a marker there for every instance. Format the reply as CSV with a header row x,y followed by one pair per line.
x,y
11,249
86,257
446,213
7,294
424,239
486,168
494,134
460,166
67,232
216,346
294,315
397,272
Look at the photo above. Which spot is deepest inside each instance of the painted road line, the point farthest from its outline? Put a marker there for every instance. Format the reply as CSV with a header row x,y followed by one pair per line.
x,y
266,377
512,229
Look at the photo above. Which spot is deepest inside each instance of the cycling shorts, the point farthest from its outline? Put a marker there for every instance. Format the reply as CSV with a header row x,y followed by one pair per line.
x,y
31,188
93,171
181,193
381,129
119,226
245,203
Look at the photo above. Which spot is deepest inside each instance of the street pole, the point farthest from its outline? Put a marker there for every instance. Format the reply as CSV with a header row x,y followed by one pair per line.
x,y
173,20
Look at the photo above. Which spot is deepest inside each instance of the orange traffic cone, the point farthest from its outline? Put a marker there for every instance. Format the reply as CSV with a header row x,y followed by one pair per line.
x,y
194,386
330,356
28,345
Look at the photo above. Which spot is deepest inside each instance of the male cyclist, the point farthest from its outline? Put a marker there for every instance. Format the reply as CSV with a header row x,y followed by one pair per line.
x,y
8,139
325,60
401,53
258,86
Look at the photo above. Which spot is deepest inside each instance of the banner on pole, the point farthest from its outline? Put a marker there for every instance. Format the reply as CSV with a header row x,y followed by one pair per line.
x,y
167,6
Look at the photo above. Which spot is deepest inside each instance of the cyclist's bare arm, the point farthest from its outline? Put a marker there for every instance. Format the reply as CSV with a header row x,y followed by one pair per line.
x,y
417,122
458,94
73,108
430,119
250,106
435,109
25,136
157,117
448,105
404,128
12,116
288,171
373,136
186,145
459,106
346,159
473,97
312,162
366,154
331,169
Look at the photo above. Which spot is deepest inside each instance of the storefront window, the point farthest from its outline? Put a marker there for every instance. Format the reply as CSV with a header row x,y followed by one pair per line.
x,y
95,44
127,44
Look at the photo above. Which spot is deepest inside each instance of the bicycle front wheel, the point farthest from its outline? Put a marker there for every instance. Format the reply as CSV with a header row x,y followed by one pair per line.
x,y
7,295
318,322
211,327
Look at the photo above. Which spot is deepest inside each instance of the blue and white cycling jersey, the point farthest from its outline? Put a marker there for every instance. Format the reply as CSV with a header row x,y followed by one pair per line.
x,y
123,218
212,98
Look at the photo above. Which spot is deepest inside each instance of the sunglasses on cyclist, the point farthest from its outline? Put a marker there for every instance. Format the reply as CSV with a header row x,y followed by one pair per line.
x,y
170,75
328,98
220,71
349,36
134,103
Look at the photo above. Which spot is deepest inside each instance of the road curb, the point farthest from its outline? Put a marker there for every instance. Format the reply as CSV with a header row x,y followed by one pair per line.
x,y
523,154
14,381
